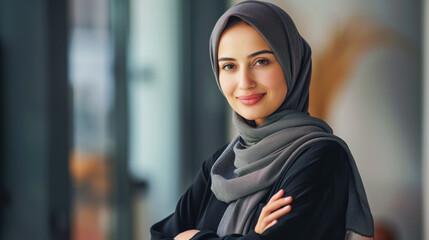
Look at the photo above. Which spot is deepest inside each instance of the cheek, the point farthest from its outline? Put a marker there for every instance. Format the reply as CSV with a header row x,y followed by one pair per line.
x,y
274,81
226,85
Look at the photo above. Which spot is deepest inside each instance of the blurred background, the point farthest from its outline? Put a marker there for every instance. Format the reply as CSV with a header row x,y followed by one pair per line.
x,y
109,107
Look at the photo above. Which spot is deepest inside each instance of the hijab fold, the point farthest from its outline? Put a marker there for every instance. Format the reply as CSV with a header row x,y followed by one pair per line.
x,y
255,159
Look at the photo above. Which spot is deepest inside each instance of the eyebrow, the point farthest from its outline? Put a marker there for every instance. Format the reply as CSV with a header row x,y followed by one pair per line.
x,y
251,55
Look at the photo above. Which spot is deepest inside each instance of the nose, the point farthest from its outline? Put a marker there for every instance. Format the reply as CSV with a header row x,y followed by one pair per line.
x,y
246,80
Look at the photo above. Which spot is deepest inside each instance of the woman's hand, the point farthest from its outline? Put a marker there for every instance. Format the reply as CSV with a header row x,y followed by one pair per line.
x,y
275,208
186,235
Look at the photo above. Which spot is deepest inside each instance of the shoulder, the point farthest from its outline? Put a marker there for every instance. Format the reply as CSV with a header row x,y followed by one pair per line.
x,y
317,166
207,164
325,149
323,157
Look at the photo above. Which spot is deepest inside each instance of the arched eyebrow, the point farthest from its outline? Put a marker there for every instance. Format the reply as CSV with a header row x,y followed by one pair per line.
x,y
251,55
259,53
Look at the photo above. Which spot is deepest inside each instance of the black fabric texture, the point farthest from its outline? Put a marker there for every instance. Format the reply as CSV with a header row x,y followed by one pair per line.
x,y
317,179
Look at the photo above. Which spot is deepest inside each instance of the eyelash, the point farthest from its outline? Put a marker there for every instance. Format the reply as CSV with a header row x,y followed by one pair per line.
x,y
266,61
228,67
225,67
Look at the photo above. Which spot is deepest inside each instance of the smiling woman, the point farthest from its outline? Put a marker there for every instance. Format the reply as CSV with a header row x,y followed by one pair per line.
x,y
250,76
285,176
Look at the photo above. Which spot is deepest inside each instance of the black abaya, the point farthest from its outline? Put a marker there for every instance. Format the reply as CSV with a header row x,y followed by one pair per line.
x,y
317,179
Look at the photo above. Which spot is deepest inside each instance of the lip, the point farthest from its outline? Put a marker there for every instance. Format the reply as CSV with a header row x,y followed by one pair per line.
x,y
251,99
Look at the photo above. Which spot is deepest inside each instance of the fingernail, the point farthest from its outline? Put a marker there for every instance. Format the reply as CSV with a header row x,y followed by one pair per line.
x,y
288,198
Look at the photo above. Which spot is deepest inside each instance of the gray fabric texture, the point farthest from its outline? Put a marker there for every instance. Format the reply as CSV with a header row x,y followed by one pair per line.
x,y
254,160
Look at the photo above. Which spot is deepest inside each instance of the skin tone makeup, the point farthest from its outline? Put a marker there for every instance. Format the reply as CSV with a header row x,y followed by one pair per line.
x,y
250,76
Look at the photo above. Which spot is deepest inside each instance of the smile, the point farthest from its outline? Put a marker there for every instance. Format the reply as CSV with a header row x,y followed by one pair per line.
x,y
251,99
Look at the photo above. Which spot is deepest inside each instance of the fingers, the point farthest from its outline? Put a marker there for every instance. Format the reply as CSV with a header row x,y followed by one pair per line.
x,y
275,210
279,213
276,207
186,235
270,225
276,196
272,206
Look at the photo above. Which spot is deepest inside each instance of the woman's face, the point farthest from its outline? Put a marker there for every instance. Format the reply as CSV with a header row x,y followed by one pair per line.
x,y
250,76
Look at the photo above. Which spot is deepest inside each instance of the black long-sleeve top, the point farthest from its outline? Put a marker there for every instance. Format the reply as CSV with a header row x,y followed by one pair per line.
x,y
317,179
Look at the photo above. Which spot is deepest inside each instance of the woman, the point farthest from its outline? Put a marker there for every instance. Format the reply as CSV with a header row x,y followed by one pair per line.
x,y
263,68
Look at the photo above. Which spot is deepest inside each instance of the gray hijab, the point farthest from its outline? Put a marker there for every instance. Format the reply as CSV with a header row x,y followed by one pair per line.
x,y
253,161
290,49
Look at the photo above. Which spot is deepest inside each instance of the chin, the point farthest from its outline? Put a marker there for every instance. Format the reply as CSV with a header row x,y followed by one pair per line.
x,y
250,117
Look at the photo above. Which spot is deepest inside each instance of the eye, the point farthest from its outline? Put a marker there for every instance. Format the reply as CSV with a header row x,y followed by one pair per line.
x,y
228,67
262,62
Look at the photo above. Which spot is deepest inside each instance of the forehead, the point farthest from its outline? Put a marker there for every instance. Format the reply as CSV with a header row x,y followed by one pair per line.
x,y
241,36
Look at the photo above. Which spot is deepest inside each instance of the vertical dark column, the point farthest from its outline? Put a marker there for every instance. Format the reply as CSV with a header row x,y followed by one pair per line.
x,y
203,127
59,117
35,121
119,122
4,195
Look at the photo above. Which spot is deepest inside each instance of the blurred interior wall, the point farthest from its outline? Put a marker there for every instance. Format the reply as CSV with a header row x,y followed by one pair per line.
x,y
153,97
203,120
98,162
35,130
122,224
176,117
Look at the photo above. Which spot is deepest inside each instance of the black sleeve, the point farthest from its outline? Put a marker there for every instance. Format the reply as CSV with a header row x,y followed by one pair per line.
x,y
318,182
187,209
